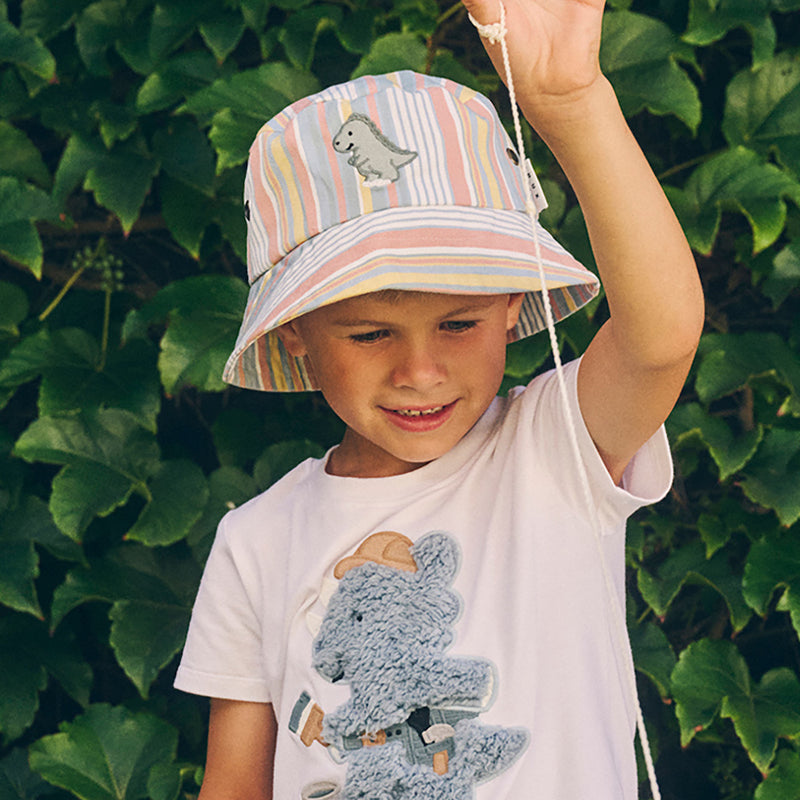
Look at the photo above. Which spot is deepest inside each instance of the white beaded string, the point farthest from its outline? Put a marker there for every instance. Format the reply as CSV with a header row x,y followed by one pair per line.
x,y
495,33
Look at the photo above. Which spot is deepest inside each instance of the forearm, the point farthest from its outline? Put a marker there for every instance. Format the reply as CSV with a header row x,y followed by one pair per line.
x,y
646,266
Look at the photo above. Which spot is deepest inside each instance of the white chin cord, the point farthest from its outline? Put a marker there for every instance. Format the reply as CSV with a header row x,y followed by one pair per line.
x,y
495,33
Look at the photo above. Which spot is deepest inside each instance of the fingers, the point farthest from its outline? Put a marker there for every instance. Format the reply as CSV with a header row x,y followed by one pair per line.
x,y
484,12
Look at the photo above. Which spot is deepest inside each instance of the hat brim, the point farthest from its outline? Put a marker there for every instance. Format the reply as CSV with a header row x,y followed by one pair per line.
x,y
447,249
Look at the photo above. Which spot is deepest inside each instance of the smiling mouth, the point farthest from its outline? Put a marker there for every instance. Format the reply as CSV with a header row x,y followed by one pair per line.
x,y
418,412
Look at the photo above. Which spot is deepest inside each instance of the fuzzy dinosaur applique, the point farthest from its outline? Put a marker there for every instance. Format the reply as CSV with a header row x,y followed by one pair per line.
x,y
410,729
376,158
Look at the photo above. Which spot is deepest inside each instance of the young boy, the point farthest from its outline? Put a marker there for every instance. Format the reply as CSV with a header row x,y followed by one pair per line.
x,y
422,613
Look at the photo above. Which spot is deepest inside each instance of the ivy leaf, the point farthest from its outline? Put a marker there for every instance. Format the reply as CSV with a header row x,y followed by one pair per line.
x,y
222,32
232,133
712,677
20,205
150,597
95,31
45,19
17,781
652,654
711,20
301,31
391,52
228,487
25,51
19,567
772,478
83,491
145,637
730,361
639,55
185,154
782,780
280,458
785,276
203,316
258,93
68,360
730,452
106,753
20,158
688,565
761,109
174,80
178,494
774,563
13,308
28,654
736,180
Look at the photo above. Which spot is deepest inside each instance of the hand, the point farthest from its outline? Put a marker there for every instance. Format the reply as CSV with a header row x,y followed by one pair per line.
x,y
553,49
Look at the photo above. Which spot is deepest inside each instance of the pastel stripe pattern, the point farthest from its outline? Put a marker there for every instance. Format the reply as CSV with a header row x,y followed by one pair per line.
x,y
400,181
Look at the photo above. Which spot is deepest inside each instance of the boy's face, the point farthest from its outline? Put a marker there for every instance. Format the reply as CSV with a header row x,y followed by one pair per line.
x,y
409,373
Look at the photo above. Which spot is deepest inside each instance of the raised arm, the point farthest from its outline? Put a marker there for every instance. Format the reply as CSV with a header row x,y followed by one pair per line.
x,y
633,370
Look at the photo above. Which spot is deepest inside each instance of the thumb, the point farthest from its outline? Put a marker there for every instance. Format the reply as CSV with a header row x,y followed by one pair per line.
x,y
485,12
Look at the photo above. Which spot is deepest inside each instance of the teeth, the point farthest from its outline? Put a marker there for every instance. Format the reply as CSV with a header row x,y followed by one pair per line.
x,y
417,413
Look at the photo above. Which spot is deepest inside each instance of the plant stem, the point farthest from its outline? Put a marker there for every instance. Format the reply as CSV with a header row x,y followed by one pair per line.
x,y
445,15
104,339
60,296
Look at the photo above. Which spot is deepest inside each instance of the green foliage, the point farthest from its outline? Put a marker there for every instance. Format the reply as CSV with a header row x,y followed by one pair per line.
x,y
124,128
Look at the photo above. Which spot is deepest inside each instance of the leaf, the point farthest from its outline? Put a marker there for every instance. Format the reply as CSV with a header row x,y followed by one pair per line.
x,y
736,180
772,478
391,52
13,308
185,154
772,564
174,80
729,452
688,565
83,491
711,20
120,181
17,781
280,458
783,779
229,487
105,754
30,521
257,93
95,30
785,276
145,638
761,109
639,55
25,51
711,677
232,133
652,654
204,314
20,205
299,35
730,361
524,357
109,438
45,19
19,567
22,677
68,361
222,32
179,492
20,158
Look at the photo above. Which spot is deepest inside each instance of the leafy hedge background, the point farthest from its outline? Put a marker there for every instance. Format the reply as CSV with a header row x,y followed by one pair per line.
x,y
124,128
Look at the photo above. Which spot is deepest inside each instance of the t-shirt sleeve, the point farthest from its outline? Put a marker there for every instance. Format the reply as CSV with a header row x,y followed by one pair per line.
x,y
223,655
646,479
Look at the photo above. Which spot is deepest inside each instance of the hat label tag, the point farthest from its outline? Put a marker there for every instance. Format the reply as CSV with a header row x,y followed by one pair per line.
x,y
377,158
537,194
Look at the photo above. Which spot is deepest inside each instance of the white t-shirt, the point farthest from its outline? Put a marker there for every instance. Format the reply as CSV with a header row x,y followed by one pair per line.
x,y
491,637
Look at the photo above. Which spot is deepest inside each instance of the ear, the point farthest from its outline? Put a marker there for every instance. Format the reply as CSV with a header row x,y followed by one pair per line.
x,y
292,339
514,308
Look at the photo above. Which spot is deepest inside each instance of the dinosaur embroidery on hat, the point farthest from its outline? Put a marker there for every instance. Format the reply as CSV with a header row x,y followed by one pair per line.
x,y
375,157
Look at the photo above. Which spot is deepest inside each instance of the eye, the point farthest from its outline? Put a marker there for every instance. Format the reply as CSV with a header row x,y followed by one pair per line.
x,y
369,337
458,325
357,616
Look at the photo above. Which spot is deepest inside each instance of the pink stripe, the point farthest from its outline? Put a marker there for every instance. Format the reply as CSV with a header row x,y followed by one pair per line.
x,y
333,163
456,168
264,206
309,219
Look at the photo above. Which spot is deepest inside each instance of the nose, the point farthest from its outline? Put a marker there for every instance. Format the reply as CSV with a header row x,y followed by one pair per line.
x,y
419,366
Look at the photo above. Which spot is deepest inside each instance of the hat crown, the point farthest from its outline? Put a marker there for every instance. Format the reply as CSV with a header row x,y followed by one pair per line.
x,y
400,140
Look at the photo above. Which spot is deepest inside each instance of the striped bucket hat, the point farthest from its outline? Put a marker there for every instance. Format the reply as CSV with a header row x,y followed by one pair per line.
x,y
398,181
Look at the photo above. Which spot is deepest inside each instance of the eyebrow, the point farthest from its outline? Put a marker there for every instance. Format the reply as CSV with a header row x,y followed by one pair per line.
x,y
355,322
